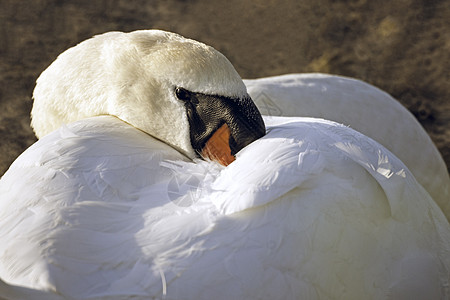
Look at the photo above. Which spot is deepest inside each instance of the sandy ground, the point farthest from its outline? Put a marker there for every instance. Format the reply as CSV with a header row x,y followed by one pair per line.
x,y
401,46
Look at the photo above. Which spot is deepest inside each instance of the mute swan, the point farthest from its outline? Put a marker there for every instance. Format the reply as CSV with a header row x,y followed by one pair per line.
x,y
99,209
363,107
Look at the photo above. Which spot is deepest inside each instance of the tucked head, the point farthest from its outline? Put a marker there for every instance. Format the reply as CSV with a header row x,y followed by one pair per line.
x,y
175,89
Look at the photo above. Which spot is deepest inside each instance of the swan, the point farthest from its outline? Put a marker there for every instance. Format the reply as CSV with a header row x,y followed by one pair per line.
x,y
364,108
106,206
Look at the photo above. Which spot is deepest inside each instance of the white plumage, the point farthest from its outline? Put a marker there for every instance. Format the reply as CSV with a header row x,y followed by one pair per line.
x,y
364,108
313,210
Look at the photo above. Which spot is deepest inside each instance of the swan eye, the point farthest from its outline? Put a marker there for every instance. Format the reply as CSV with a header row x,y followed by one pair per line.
x,y
183,94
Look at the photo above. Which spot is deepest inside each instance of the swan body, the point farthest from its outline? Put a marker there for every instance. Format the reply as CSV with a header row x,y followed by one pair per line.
x,y
313,210
103,206
364,108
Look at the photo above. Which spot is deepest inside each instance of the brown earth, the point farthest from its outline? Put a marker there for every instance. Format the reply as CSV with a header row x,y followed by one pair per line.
x,y
400,46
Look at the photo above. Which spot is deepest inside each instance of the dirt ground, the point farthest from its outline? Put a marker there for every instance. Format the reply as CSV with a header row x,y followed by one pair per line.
x,y
401,46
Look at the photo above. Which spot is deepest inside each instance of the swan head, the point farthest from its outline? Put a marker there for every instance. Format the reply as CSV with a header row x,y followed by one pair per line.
x,y
177,90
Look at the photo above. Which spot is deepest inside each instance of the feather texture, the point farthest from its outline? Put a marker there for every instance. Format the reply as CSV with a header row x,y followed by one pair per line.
x,y
313,210
364,108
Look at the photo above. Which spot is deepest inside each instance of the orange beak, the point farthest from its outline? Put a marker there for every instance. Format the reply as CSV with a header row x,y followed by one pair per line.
x,y
217,148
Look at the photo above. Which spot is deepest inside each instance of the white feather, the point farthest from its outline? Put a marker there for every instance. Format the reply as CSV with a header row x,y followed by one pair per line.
x,y
364,108
313,210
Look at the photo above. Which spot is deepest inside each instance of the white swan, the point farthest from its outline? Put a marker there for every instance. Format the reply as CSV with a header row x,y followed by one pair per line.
x,y
364,108
100,210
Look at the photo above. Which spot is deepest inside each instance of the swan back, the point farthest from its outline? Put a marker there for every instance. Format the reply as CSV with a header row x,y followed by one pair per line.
x,y
322,211
364,108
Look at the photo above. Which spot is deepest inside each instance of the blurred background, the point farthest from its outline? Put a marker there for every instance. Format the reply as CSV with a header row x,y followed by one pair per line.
x,y
401,46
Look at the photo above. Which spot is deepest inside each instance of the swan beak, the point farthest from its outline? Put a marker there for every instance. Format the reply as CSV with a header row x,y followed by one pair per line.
x,y
242,125
221,126
239,123
217,148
